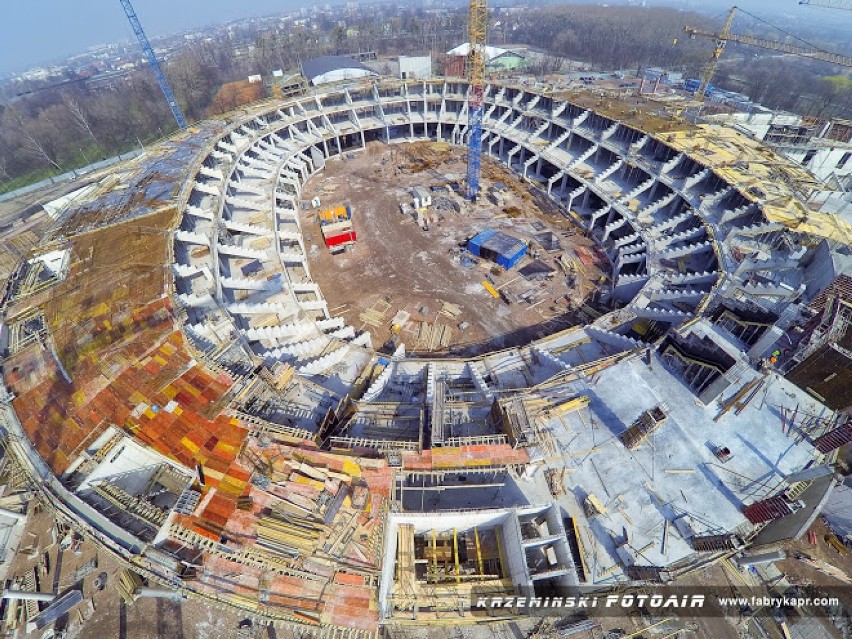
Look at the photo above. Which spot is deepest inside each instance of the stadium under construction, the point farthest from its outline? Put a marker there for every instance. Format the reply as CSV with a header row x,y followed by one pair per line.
x,y
184,390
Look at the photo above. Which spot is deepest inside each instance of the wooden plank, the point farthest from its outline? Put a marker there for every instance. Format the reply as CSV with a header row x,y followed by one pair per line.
x,y
451,310
572,405
580,548
478,551
405,558
456,554
491,290
434,555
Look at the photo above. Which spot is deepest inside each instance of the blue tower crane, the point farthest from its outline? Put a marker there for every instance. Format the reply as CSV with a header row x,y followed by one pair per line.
x,y
154,64
477,28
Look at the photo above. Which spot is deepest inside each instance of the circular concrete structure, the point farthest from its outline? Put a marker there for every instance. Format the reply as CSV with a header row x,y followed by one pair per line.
x,y
647,203
223,421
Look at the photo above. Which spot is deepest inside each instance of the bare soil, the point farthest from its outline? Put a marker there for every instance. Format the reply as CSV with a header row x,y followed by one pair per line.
x,y
416,270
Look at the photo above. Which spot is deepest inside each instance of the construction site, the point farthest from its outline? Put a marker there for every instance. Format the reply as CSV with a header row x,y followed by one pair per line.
x,y
437,302
344,365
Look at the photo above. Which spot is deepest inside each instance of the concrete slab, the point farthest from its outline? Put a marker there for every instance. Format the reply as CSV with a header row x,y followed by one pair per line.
x,y
702,496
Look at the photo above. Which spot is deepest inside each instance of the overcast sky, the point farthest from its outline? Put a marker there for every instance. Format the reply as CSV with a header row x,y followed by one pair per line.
x,y
36,31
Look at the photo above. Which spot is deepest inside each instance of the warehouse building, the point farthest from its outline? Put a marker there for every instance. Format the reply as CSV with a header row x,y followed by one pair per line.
x,y
496,59
334,68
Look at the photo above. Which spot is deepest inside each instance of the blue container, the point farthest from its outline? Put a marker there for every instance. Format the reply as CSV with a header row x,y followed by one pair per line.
x,y
498,247
474,244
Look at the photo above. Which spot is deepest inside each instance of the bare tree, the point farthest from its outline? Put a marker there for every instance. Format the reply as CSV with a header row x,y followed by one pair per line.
x,y
79,116
4,173
191,81
32,144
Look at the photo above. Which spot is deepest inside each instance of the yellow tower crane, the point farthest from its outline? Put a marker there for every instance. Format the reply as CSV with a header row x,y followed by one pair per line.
x,y
721,43
724,36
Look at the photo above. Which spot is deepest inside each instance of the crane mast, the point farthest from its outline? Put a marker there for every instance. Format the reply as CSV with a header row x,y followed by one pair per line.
x,y
477,34
725,36
721,42
154,64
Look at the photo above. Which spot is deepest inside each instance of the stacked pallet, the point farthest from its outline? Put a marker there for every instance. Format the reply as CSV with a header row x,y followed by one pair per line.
x,y
128,584
645,424
432,337
18,612
286,532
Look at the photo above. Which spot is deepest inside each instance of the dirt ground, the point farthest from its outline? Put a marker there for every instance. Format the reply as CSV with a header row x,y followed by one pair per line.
x,y
395,265
804,560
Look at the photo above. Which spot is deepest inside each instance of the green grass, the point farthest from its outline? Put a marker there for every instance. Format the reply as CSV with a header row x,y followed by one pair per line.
x,y
26,179
84,157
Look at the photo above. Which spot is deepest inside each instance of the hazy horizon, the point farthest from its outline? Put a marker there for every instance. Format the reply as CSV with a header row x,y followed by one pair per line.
x,y
43,31
65,29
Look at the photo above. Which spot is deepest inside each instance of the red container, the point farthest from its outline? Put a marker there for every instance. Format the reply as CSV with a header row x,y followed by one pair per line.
x,y
344,238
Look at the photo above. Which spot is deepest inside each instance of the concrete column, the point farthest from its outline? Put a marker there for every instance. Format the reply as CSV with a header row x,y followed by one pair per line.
x,y
654,190
711,261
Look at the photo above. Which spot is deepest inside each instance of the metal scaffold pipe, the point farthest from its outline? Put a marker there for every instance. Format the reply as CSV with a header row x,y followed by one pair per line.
x,y
27,595
157,593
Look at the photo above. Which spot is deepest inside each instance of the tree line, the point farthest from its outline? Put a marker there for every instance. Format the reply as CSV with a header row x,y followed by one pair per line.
x,y
636,37
52,130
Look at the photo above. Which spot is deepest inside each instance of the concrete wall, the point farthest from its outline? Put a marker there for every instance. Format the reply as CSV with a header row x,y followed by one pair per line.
x,y
130,458
514,557
825,162
509,531
563,553
388,567
758,124
838,510
415,67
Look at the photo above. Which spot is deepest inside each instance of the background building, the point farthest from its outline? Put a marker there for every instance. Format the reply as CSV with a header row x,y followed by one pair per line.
x,y
334,68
